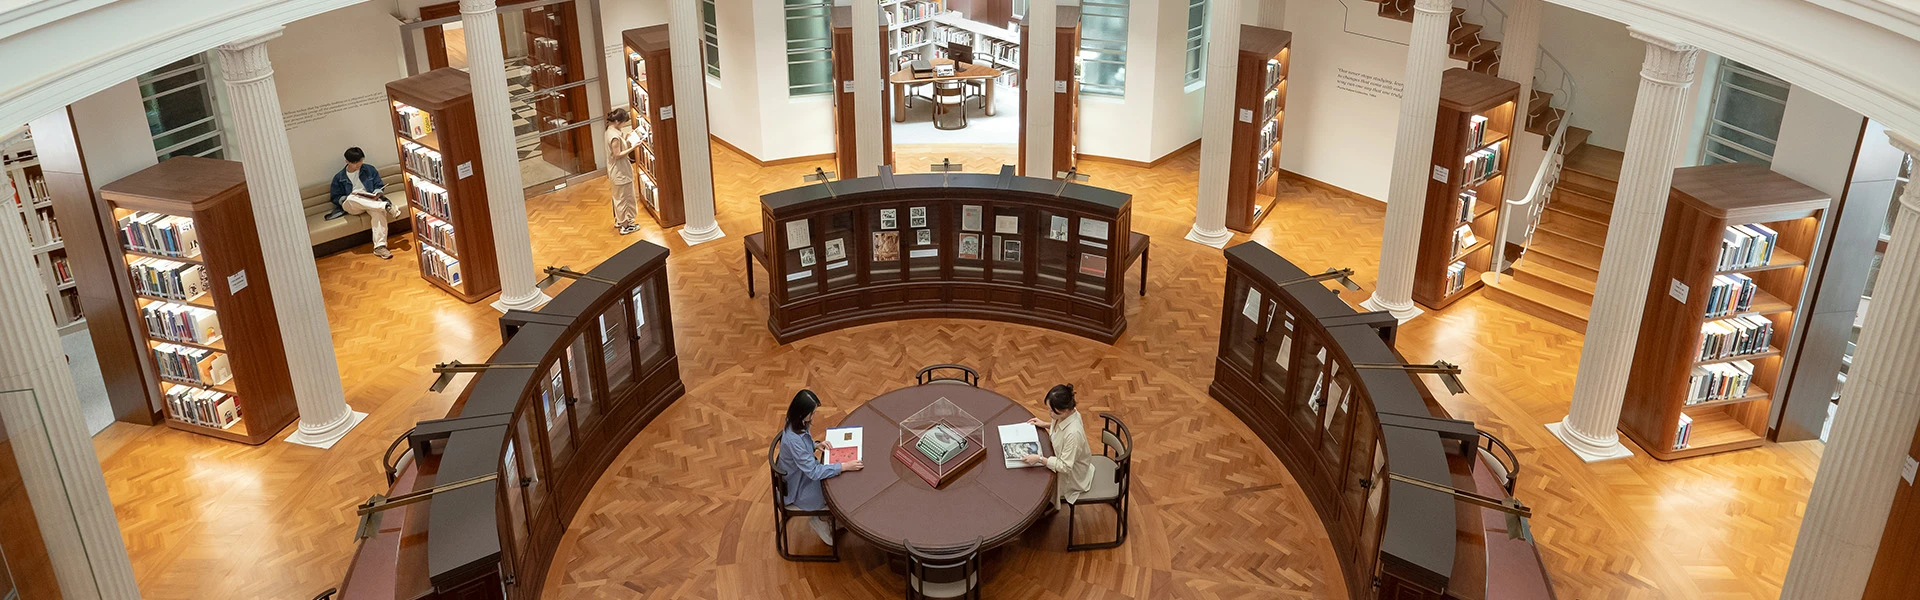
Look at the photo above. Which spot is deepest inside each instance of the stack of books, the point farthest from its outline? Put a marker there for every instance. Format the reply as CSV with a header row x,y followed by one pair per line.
x,y
1476,131
162,278
1730,294
181,323
197,366
1719,382
211,408
1269,134
1482,165
1265,169
431,198
1468,198
62,273
1463,239
413,121
433,231
1746,247
440,264
422,161
1737,336
1686,429
1456,276
155,233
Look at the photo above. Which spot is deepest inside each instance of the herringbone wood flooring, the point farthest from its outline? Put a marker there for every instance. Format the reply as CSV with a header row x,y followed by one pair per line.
x,y
684,512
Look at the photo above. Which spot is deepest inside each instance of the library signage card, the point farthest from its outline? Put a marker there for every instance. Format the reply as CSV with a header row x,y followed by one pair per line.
x,y
1440,173
1677,290
1246,116
466,169
236,282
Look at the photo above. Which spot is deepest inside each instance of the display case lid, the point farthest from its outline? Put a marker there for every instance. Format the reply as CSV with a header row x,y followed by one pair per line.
x,y
624,266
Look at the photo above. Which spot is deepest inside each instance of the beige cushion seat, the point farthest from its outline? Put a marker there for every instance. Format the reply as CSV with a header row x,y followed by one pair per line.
x,y
328,237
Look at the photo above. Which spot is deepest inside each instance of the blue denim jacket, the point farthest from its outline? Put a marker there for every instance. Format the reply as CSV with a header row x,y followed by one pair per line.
x,y
804,472
369,177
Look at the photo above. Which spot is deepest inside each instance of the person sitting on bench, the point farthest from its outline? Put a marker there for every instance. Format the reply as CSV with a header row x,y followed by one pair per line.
x,y
357,189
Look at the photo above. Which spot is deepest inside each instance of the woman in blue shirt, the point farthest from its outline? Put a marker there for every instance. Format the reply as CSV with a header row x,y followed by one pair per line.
x,y
803,470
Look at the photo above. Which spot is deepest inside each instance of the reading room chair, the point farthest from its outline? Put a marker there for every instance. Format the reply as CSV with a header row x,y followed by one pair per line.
x,y
1112,477
950,374
783,513
943,573
949,98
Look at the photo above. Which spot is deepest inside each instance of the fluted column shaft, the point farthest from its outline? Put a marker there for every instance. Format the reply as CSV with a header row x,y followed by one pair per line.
x,y
870,121
684,28
1412,159
499,156
1043,17
279,219
1861,468
1519,54
1660,116
1216,124
50,441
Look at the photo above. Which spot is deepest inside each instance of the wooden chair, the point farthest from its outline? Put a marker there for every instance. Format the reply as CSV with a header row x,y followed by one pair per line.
x,y
1112,477
948,374
950,573
783,513
949,97
1507,470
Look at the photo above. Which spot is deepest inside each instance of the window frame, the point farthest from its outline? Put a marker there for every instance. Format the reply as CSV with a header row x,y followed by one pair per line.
x,y
710,37
1197,41
1723,85
809,51
202,84
1096,9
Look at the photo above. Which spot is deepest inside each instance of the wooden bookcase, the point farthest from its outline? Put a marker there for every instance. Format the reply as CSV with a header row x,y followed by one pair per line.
x,y
31,203
452,137
1472,141
1066,103
909,29
1260,90
552,36
1705,202
231,275
650,92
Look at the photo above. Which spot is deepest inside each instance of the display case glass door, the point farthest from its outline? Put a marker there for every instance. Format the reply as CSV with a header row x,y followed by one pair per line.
x,y
883,247
1008,250
650,325
586,403
554,411
800,258
616,347
920,241
1243,330
833,256
1095,255
971,244
1056,251
1276,360
514,497
533,473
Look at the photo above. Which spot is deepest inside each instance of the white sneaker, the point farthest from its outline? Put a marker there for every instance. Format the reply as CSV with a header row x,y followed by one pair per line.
x,y
822,529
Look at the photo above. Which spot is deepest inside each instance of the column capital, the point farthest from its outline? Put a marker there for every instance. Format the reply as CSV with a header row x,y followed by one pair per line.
x,y
1668,62
1433,6
477,7
245,60
1910,200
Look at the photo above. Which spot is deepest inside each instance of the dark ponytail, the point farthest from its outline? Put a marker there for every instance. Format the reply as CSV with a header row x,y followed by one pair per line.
x,y
1060,398
803,405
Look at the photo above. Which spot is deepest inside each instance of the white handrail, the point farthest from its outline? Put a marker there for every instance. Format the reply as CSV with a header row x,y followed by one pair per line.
x,y
1539,194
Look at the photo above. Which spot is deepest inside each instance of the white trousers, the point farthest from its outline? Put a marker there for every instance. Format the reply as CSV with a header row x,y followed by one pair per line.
x,y
377,213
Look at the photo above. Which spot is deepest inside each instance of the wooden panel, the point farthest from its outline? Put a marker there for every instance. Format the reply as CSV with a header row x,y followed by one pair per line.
x,y
1250,197
446,95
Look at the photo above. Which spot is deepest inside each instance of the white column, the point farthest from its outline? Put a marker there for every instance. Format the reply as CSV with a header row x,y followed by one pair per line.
x,y
1861,467
50,441
869,93
1216,124
499,158
1660,116
684,30
279,216
1412,159
1042,18
1519,54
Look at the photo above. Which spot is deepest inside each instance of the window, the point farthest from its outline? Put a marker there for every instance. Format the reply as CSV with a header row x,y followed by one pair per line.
x,y
1747,107
1196,41
1103,47
710,37
809,47
181,113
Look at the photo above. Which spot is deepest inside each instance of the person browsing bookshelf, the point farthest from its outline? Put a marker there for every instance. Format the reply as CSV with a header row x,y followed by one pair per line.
x,y
621,145
1070,450
358,190
803,470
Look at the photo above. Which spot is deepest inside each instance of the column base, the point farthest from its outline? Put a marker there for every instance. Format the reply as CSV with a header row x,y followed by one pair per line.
x,y
533,302
695,238
326,439
1585,449
1216,239
1404,314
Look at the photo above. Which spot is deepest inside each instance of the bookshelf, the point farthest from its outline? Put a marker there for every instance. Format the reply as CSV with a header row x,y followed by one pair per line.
x,y
1468,182
28,199
1261,101
1728,283
439,146
910,29
997,47
1066,102
202,301
650,96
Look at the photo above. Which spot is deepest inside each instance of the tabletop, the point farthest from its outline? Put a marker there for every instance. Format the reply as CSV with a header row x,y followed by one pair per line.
x,y
964,71
887,504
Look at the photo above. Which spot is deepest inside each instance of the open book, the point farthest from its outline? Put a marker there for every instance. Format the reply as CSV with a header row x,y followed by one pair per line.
x,y
1017,441
843,445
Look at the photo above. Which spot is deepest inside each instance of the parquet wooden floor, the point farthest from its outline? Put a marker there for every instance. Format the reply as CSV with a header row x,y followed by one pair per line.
x,y
684,511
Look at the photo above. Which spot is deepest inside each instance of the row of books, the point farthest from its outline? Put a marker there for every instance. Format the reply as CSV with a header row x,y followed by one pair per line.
x,y
49,228
642,103
1270,106
1456,276
440,264
433,231
1463,239
1476,131
430,198
1269,134
168,279
422,161
1737,336
912,36
413,121
1273,73
1730,294
1721,381
155,233
62,273
198,366
1265,167
1686,430
1746,246
1482,165
1468,198
31,191
181,323
911,11
210,408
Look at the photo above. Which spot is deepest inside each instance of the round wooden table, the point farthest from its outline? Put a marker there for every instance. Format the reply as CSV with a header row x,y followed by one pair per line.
x,y
902,79
887,504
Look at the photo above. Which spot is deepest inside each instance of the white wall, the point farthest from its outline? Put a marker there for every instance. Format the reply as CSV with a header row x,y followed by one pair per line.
x,y
1817,141
331,71
112,127
1157,93
615,18
733,112
1339,133
790,127
1605,63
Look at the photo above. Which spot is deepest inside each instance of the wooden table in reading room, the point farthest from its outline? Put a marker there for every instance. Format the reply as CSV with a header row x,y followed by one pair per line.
x,y
887,504
902,79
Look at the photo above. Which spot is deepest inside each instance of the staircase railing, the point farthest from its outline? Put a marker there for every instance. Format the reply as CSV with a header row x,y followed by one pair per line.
x,y
1539,194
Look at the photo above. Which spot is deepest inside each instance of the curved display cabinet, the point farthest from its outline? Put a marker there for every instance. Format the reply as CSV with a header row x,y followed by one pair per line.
x,y
1287,369
603,365
1001,247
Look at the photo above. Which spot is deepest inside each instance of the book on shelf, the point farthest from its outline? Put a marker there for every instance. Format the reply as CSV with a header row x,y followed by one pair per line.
x,y
1482,165
422,161
210,408
1476,131
1456,276
1738,336
434,231
1468,198
1016,442
155,233
181,323
440,264
1686,428
1270,105
1269,134
62,272
1463,238
168,279
414,122
431,198
1272,72
1265,168
1720,381
1729,294
1747,246
50,228
196,366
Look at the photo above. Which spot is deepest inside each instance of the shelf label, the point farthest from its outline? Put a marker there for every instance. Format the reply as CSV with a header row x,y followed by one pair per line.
x,y
236,282
1246,115
1677,290
666,113
1059,87
1440,173
846,86
466,169
1907,470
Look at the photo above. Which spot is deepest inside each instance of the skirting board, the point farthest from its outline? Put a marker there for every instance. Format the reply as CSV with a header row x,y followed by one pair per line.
x,y
770,163
1195,145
